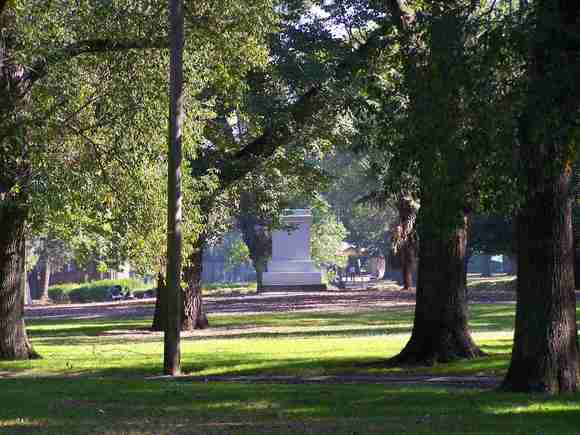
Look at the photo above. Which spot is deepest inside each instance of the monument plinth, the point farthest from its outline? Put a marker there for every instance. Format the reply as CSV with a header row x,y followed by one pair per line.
x,y
291,267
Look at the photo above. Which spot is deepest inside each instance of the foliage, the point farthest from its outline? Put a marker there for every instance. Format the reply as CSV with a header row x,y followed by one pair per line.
x,y
366,217
96,117
238,254
95,291
327,236
458,156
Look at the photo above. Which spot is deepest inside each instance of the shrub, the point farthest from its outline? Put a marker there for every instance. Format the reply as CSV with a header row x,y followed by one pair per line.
x,y
96,291
60,293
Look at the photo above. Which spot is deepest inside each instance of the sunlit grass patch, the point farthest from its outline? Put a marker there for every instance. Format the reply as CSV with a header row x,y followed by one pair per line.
x,y
293,344
99,376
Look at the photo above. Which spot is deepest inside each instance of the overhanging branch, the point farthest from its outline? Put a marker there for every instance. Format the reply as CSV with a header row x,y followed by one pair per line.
x,y
92,46
299,114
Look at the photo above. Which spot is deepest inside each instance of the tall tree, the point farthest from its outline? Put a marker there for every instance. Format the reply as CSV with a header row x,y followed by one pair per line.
x,y
14,342
47,124
172,353
545,351
433,57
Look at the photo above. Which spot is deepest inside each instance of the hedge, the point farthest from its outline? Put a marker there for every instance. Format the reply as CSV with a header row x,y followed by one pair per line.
x,y
95,291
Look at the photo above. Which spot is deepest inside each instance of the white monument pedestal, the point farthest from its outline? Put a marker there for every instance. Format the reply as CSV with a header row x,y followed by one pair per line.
x,y
291,267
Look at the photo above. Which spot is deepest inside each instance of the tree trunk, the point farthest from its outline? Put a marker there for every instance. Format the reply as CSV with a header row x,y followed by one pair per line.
x,y
407,265
486,265
25,287
513,264
440,328
194,316
160,316
407,239
260,267
172,349
14,343
545,352
45,280
256,235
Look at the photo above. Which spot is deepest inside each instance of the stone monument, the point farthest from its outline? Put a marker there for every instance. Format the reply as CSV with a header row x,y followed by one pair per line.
x,y
291,267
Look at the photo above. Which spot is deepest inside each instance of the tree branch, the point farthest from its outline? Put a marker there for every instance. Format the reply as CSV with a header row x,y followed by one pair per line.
x,y
399,17
40,68
299,114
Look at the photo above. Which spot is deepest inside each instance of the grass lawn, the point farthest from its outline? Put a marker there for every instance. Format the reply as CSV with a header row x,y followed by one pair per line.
x,y
98,376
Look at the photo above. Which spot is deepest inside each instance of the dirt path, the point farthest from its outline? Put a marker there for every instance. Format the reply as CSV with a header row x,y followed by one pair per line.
x,y
273,302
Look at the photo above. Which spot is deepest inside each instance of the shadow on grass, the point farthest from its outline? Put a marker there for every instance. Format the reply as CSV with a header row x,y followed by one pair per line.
x,y
50,406
122,364
394,320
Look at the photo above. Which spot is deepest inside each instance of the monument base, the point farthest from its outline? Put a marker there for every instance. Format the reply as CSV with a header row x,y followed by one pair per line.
x,y
294,288
291,267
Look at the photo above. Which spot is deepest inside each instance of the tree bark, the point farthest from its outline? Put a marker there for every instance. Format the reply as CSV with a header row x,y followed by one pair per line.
x,y
440,328
545,350
406,233
172,349
194,316
160,315
256,235
407,264
260,267
14,343
45,280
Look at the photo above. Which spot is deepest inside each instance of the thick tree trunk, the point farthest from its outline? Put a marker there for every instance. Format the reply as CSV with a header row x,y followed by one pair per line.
x,y
545,352
14,343
407,265
160,315
440,328
45,280
194,316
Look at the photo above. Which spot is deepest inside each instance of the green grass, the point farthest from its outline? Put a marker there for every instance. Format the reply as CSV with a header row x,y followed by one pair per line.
x,y
105,406
230,288
497,283
298,344
95,378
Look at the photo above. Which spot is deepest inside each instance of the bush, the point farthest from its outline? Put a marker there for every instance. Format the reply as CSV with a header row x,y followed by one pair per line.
x,y
96,291
60,293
